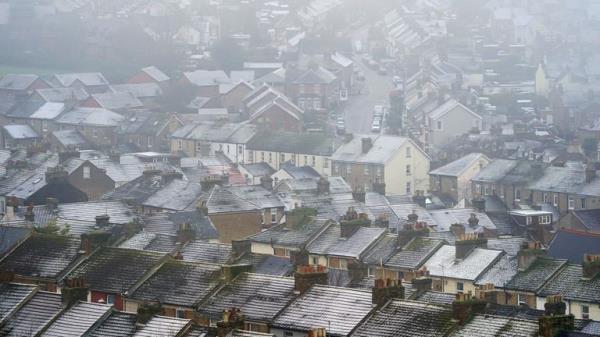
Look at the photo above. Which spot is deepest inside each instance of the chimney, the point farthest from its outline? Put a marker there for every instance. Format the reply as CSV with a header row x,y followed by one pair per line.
x,y
307,276
591,266
114,156
357,270
231,271
457,229
323,186
412,229
102,220
232,319
240,247
465,306
185,233
420,199
351,222
317,332
473,220
386,290
359,195
75,290
379,187
66,155
528,254
267,183
554,320
29,215
467,243
367,144
478,204
590,173
487,292
170,175
147,310
422,282
93,240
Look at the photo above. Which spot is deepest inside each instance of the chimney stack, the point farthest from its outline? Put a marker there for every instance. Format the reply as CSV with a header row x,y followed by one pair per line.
x,y
75,290
66,155
457,230
420,199
323,186
52,204
385,290
465,306
232,319
591,266
467,243
307,276
317,332
367,144
422,282
352,221
266,182
554,320
359,195
473,220
379,187
29,215
528,254
478,203
102,220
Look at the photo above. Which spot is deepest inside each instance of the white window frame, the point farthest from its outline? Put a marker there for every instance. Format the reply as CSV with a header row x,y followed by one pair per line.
x,y
273,215
528,220
439,125
520,300
408,152
179,313
408,188
460,287
585,312
545,219
110,299
87,172
556,200
571,203
583,203
408,170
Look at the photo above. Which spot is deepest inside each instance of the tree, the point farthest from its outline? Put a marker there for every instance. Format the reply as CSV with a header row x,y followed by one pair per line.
x,y
228,54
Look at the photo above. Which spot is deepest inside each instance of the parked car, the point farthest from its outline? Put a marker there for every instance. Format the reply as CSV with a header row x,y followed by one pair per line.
x,y
376,126
340,125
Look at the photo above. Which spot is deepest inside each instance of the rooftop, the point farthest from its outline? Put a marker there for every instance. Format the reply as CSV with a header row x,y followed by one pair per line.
x,y
444,263
569,283
330,242
78,320
414,254
572,244
536,276
30,318
384,148
486,325
459,166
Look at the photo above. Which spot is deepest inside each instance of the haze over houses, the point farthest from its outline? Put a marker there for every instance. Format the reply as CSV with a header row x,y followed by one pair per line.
x,y
299,168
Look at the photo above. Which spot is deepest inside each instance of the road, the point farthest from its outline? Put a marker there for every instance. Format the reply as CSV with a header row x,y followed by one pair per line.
x,y
358,110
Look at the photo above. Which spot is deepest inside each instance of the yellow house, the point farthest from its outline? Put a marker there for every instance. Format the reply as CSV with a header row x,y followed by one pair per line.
x,y
368,161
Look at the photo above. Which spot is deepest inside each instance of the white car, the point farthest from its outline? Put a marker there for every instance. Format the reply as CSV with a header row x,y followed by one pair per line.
x,y
376,126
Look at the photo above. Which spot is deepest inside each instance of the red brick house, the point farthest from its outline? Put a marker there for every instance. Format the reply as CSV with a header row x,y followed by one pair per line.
x,y
279,115
150,75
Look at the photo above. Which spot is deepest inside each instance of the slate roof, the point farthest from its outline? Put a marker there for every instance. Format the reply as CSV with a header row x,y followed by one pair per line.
x,y
381,250
444,263
501,272
330,242
511,245
206,252
414,254
48,111
42,255
33,315
10,237
536,276
118,211
116,270
179,283
434,297
300,143
78,320
117,100
260,297
590,218
258,169
139,90
222,200
88,79
495,170
338,309
20,131
384,148
155,74
272,265
118,324
569,283
572,245
151,242
486,325
91,117
319,75
407,319
12,295
288,235
448,106
445,218
71,139
207,77
565,180
458,167
163,326
62,94
168,223
17,81
233,133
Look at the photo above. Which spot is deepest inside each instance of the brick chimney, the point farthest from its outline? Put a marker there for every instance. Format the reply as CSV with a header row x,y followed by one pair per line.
x,y
420,199
323,186
359,195
528,254
266,182
478,203
465,306
232,319
102,220
147,310
75,290
185,232
352,221
473,220
422,282
52,204
66,155
29,214
554,320
56,175
487,292
457,229
591,266
366,144
467,243
307,276
379,187
386,290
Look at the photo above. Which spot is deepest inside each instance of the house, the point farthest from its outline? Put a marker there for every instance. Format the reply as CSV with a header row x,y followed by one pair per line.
x,y
450,120
129,266
338,310
42,259
60,95
93,83
21,83
232,98
587,220
206,252
114,101
454,269
289,171
299,149
148,131
452,181
97,125
178,286
19,135
42,119
255,172
271,110
240,211
314,88
146,93
395,164
259,298
206,82
88,178
404,263
150,74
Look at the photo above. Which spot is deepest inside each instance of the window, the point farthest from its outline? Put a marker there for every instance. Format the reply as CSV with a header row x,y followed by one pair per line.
x,y
273,215
110,299
528,220
478,188
334,262
240,149
521,299
408,170
282,158
486,190
556,200
439,125
270,157
262,156
87,172
408,188
545,198
149,141
460,287
585,312
315,260
349,169
379,171
314,161
401,275
288,334
281,252
545,219
408,152
571,203
179,145
180,313
366,170
336,168
305,160
517,194
583,203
